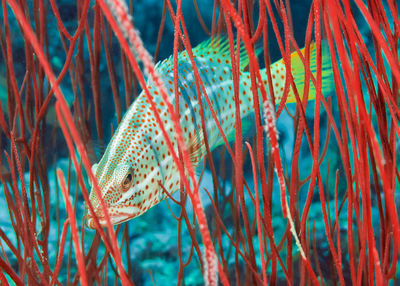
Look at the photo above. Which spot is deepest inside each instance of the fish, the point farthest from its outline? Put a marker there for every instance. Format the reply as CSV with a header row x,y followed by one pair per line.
x,y
137,168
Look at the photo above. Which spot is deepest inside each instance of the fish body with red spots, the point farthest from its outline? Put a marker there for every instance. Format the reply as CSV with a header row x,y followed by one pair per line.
x,y
137,161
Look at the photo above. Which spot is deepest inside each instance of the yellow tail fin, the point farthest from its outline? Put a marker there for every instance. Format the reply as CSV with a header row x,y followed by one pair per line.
x,y
298,73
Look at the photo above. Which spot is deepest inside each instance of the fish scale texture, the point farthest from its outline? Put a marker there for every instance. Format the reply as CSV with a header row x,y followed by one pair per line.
x,y
138,147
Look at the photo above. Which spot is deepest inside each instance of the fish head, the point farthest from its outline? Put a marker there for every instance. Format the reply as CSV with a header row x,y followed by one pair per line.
x,y
133,172
118,192
128,178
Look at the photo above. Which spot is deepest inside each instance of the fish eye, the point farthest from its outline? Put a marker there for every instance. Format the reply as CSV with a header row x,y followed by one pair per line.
x,y
127,182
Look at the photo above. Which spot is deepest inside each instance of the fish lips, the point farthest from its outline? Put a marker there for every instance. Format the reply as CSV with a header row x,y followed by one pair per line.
x,y
120,215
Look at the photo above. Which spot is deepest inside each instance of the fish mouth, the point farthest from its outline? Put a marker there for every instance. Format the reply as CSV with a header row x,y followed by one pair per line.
x,y
117,216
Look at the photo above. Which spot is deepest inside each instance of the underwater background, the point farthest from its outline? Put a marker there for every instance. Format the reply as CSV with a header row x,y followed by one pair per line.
x,y
157,248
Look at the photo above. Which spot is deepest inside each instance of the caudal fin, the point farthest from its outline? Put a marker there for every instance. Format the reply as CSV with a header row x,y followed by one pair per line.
x,y
297,68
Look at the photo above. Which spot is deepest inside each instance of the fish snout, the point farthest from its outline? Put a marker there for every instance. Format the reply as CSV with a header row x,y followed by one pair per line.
x,y
89,222
89,218
116,216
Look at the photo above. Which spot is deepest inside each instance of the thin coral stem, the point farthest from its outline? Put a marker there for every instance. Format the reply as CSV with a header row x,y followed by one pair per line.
x,y
74,228
66,112
61,253
7,269
258,216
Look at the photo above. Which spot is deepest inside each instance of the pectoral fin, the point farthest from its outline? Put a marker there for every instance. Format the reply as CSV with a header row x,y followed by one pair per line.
x,y
196,147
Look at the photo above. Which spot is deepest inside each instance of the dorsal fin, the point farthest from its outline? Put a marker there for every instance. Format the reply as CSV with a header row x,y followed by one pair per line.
x,y
215,49
218,48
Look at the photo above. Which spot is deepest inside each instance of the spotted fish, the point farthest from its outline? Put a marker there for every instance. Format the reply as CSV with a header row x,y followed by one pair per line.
x,y
137,161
